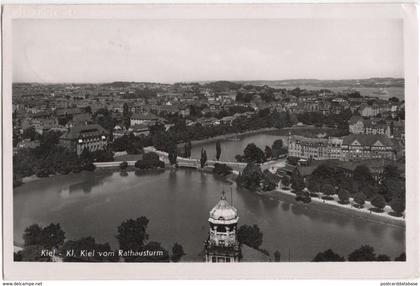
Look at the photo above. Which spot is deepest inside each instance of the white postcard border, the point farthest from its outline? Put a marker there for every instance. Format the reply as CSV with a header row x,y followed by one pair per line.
x,y
45,271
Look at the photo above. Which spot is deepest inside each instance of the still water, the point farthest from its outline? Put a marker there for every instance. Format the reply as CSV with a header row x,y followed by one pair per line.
x,y
234,146
177,204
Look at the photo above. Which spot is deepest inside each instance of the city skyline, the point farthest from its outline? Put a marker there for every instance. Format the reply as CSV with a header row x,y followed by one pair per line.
x,y
98,51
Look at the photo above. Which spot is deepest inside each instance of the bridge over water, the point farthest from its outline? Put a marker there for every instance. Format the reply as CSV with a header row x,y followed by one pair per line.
x,y
194,163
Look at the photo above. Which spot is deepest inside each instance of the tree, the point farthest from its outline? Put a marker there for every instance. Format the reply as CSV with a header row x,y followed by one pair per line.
x,y
30,133
251,177
328,256
126,116
364,253
285,181
343,196
162,254
277,256
363,175
392,185
33,253
268,152
32,235
270,181
53,236
187,149
132,234
222,169
323,174
203,158
103,156
328,190
252,154
86,160
378,202
297,181
278,148
398,205
250,235
383,257
177,252
359,198
123,166
172,155
218,150
150,160
401,257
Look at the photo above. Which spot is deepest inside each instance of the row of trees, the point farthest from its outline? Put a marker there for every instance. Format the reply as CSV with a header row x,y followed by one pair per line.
x,y
50,158
162,139
132,235
330,180
252,153
364,253
338,121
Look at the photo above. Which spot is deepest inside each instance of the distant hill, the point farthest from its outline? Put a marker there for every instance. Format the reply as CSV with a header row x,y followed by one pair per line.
x,y
348,83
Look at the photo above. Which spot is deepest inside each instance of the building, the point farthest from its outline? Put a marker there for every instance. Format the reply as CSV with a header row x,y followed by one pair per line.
x,y
222,244
356,125
359,125
144,119
91,137
398,130
368,110
365,146
373,127
315,148
140,129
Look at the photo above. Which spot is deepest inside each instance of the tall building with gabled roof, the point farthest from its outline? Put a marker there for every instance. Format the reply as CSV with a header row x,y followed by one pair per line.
x,y
90,136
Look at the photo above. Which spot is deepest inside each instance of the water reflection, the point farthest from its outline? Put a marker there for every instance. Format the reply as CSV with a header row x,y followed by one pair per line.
x,y
178,201
285,206
269,203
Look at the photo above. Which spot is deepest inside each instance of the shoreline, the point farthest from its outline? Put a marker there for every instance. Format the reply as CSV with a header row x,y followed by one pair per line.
x,y
318,204
227,136
283,195
33,178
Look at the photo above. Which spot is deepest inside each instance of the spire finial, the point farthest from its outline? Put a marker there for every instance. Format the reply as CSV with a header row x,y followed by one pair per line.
x,y
223,194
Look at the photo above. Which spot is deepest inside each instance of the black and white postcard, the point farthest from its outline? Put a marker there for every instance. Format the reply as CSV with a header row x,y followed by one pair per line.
x,y
210,141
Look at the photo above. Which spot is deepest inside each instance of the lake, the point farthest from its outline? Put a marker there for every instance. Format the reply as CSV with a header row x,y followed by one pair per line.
x,y
234,146
178,202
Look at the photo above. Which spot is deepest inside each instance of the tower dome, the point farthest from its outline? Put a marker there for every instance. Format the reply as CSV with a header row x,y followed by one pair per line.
x,y
223,212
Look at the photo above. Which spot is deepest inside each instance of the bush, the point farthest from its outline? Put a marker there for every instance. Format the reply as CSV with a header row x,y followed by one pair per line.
x,y
222,169
401,257
270,181
123,165
251,177
343,196
328,256
364,253
398,205
359,198
285,180
250,235
328,190
378,202
150,161
42,173
383,257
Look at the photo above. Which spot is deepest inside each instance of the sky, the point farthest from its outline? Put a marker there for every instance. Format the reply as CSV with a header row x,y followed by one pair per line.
x,y
167,51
